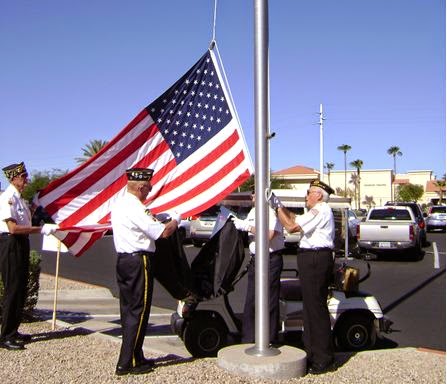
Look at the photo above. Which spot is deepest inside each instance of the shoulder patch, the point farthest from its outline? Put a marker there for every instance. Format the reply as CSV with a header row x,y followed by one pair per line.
x,y
314,211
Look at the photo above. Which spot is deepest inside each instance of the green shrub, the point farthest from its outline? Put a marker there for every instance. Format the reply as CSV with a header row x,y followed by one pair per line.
x,y
33,285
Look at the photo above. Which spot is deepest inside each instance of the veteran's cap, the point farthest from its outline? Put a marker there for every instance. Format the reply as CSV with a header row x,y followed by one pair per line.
x,y
320,184
139,174
14,170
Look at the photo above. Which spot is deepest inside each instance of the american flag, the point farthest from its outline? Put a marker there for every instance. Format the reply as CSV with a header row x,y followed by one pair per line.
x,y
190,136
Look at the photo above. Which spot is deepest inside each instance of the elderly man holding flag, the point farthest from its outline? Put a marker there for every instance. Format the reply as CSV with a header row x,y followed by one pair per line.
x,y
134,233
15,228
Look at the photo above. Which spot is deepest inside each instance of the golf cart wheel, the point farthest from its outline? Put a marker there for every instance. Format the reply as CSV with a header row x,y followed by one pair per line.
x,y
355,332
205,334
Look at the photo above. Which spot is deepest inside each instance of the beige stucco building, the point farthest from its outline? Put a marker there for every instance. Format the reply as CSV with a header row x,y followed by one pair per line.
x,y
377,184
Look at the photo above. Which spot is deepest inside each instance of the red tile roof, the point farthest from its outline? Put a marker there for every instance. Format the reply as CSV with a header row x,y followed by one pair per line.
x,y
401,181
296,170
432,187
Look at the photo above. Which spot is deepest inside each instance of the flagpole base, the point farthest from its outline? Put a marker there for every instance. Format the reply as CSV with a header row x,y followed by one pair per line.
x,y
289,363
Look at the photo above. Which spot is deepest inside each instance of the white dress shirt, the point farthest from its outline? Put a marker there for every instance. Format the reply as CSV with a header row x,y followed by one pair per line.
x,y
318,227
134,228
275,244
13,207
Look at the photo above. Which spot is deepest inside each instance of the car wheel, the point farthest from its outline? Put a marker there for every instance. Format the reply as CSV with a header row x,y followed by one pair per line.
x,y
355,332
205,334
182,234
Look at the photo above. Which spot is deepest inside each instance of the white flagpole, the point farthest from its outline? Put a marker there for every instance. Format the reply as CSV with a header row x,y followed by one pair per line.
x,y
56,277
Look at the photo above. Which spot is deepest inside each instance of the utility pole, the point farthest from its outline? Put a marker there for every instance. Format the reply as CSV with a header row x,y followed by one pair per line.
x,y
321,143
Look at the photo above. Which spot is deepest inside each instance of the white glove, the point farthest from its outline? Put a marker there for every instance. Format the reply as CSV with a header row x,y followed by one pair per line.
x,y
252,248
240,225
175,216
49,229
274,202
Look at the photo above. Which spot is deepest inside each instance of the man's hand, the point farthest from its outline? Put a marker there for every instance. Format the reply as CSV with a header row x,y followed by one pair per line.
x,y
240,225
274,202
49,229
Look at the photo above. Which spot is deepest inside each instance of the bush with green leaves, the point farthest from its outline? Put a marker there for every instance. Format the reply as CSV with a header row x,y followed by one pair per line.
x,y
33,285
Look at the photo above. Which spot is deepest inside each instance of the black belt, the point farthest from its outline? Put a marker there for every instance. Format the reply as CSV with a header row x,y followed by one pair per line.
x,y
5,235
317,249
135,254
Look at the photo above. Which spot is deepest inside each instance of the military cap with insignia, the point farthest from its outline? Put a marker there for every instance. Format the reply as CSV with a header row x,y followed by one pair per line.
x,y
139,174
324,186
14,170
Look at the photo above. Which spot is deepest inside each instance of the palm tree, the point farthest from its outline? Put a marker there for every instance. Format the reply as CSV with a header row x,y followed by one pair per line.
x,y
441,188
329,167
345,148
393,151
369,201
355,181
91,149
357,164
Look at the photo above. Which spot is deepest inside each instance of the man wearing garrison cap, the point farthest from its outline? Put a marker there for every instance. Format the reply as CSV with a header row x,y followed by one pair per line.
x,y
134,233
15,226
315,265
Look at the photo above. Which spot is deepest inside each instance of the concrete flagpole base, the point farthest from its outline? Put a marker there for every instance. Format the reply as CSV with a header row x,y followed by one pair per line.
x,y
289,363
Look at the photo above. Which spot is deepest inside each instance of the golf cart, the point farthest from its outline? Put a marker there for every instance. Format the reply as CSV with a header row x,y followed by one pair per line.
x,y
207,326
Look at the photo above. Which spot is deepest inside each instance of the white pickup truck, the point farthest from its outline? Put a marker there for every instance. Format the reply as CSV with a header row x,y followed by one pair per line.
x,y
389,228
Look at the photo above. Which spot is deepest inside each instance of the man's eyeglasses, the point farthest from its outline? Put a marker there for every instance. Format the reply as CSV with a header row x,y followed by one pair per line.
x,y
309,192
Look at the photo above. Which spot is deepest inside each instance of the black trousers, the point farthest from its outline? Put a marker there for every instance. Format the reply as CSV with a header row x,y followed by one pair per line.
x,y
315,272
135,282
14,265
248,324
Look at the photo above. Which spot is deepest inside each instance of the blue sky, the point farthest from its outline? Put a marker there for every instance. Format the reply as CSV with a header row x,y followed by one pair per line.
x,y
74,71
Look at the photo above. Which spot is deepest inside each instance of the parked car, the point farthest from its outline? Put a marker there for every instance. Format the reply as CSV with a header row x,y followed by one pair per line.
x,y
418,215
184,229
390,228
435,218
201,226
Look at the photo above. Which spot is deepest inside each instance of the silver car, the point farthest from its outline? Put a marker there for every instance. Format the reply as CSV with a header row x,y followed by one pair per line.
x,y
435,218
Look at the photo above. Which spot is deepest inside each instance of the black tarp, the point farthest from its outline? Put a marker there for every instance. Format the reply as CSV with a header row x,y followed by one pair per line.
x,y
171,267
218,262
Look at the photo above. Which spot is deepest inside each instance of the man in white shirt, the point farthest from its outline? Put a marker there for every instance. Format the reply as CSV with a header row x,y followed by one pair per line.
x,y
134,233
15,227
276,245
315,266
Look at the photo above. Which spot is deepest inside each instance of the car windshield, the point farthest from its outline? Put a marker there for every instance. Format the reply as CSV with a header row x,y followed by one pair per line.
x,y
438,210
210,212
390,214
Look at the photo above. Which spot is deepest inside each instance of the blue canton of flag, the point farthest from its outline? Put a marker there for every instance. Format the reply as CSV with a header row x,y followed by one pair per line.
x,y
193,110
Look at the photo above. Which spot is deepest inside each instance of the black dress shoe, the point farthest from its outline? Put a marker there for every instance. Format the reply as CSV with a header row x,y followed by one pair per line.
x,y
11,345
318,369
138,370
146,362
22,337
